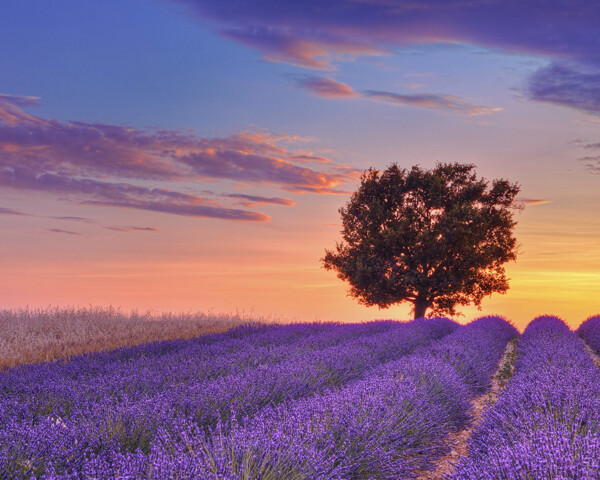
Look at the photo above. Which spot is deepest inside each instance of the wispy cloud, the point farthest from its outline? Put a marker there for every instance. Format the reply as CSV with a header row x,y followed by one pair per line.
x,y
19,100
256,200
309,158
591,163
592,146
110,165
435,101
309,50
318,35
420,74
11,211
326,87
533,201
562,85
58,230
75,219
329,88
130,229
11,106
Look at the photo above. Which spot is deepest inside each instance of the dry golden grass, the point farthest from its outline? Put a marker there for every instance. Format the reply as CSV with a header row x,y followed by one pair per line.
x,y
33,336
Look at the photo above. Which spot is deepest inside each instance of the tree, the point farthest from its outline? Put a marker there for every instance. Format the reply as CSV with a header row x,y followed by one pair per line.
x,y
435,238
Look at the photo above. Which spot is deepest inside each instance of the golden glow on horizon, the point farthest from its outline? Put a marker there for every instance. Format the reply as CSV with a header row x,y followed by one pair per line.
x,y
292,290
273,268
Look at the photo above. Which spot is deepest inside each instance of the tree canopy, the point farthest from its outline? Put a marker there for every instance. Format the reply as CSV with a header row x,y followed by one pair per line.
x,y
435,238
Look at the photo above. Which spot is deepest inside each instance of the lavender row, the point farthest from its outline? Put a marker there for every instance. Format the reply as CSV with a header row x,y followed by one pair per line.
x,y
130,374
390,425
547,422
69,391
205,358
304,374
67,424
589,331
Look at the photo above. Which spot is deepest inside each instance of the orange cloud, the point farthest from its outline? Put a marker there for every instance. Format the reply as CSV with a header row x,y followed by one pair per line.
x,y
327,87
313,53
533,201
435,101
330,88
77,159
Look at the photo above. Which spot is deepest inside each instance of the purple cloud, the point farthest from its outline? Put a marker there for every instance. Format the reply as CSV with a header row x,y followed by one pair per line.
x,y
68,232
591,163
11,106
190,210
309,50
330,88
124,195
132,229
565,86
20,101
316,34
533,201
326,87
253,200
309,158
75,219
104,164
10,211
83,149
434,101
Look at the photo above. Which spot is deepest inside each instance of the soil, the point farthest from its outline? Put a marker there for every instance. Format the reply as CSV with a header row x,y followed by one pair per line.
x,y
595,357
458,440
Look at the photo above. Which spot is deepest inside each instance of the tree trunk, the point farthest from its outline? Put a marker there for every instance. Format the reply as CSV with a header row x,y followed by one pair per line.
x,y
420,307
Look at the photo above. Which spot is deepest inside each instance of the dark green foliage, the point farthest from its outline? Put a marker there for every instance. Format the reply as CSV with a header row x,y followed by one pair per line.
x,y
436,238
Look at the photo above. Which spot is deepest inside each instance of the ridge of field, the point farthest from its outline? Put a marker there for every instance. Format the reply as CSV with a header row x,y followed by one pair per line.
x,y
207,357
41,335
589,331
388,425
56,422
458,440
547,422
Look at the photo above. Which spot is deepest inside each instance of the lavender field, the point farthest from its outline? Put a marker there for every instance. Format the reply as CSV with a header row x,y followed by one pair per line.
x,y
376,400
40,335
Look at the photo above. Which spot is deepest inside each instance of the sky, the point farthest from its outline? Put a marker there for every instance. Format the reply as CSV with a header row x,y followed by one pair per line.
x,y
192,155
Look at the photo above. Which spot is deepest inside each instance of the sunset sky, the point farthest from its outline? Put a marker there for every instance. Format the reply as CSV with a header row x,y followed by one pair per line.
x,y
193,154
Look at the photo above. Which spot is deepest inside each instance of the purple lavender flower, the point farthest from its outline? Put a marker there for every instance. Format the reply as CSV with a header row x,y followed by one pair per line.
x,y
107,415
386,426
589,331
546,425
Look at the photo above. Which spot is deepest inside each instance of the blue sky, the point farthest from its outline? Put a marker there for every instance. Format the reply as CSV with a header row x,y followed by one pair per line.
x,y
136,135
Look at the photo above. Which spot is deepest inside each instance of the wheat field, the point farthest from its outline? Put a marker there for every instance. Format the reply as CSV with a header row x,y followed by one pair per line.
x,y
40,335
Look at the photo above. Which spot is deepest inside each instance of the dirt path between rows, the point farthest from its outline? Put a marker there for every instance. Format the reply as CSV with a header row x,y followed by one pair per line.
x,y
458,440
595,357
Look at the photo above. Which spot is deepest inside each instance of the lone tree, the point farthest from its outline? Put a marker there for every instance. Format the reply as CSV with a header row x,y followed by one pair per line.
x,y
436,238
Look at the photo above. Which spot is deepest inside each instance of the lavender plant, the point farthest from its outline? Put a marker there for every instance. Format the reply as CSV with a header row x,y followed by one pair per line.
x,y
103,415
389,425
547,422
589,331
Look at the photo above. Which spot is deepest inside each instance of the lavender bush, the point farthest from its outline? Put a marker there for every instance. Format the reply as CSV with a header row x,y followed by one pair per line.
x,y
107,415
589,331
390,425
546,425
